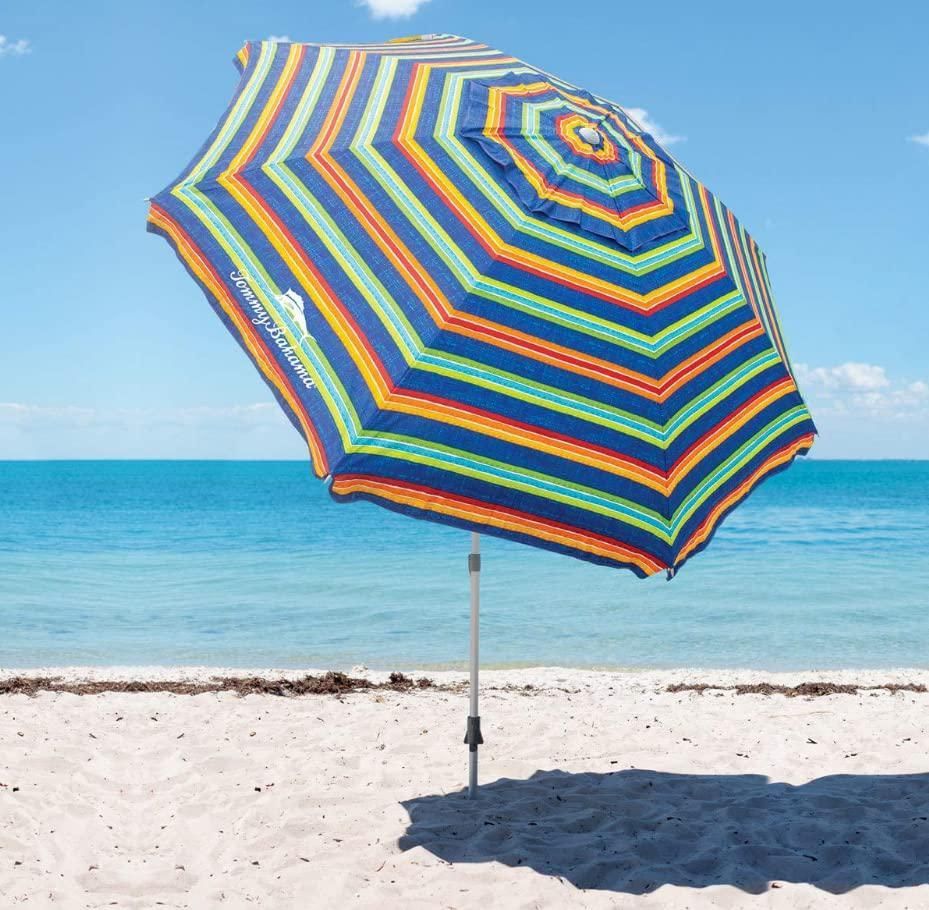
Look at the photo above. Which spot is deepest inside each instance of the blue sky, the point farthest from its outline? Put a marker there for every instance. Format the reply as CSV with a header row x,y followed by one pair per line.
x,y
811,120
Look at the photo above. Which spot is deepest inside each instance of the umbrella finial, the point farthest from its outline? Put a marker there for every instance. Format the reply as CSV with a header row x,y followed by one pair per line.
x,y
591,136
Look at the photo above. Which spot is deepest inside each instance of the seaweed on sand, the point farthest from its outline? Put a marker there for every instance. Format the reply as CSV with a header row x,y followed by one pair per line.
x,y
803,690
330,683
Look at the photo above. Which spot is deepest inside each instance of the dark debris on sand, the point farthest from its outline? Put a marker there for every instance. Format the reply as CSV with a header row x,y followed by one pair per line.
x,y
331,683
804,690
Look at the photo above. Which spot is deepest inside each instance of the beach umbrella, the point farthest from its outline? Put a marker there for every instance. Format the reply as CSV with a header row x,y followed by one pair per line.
x,y
487,297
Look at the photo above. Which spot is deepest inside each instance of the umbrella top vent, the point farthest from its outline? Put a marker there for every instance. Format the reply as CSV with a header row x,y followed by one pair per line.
x,y
591,136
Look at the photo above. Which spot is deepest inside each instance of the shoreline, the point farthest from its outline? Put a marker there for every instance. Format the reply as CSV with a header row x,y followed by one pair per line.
x,y
541,678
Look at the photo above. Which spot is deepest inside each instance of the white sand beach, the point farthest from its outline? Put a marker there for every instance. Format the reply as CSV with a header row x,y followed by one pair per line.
x,y
600,790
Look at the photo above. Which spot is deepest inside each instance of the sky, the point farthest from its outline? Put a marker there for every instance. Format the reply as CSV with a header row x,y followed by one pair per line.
x,y
810,120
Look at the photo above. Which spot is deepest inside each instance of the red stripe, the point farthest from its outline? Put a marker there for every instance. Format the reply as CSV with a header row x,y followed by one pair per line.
x,y
748,331
552,435
503,139
729,502
533,270
388,384
516,514
280,104
346,317
252,331
729,418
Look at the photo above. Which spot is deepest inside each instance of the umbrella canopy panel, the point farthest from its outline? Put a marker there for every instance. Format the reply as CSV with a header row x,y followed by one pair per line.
x,y
486,297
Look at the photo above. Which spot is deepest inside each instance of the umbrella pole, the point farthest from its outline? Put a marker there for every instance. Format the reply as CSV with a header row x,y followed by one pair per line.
x,y
473,736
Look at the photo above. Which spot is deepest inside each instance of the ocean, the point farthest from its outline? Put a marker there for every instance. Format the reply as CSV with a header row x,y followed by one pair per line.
x,y
250,564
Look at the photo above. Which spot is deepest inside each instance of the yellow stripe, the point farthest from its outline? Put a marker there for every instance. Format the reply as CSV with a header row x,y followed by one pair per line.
x,y
248,147
470,215
706,528
488,516
549,191
192,258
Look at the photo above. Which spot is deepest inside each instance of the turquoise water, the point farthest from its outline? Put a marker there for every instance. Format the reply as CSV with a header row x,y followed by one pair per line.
x,y
250,564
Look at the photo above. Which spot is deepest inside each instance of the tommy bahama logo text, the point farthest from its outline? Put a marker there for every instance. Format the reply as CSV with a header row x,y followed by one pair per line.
x,y
292,303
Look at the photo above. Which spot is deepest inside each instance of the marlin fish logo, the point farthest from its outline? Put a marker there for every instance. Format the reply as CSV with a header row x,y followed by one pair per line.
x,y
292,303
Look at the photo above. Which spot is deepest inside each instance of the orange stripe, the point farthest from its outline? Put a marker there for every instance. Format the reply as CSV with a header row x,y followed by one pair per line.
x,y
330,307
391,398
767,301
567,125
493,244
780,457
701,360
746,280
431,500
270,111
268,367
495,125
438,306
726,428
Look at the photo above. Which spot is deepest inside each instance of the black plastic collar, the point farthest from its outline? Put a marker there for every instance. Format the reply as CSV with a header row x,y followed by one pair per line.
x,y
473,737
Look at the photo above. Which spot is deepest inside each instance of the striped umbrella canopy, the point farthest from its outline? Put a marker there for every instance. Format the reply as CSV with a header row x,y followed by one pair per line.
x,y
488,298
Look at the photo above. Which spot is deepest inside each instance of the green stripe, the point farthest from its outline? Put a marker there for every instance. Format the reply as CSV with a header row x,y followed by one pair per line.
x,y
471,280
608,254
738,460
356,439
531,131
460,368
235,117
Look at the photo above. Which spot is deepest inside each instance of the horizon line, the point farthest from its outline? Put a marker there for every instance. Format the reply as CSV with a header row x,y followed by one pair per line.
x,y
806,458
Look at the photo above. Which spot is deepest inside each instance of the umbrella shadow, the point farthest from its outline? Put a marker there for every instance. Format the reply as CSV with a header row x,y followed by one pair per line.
x,y
633,831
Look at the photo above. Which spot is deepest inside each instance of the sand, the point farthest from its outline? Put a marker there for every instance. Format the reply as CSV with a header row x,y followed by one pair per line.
x,y
601,790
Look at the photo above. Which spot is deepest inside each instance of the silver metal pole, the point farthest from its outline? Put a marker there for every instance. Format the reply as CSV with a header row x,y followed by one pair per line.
x,y
473,736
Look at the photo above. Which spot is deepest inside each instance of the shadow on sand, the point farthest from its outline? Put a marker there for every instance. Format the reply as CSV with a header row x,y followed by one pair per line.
x,y
633,831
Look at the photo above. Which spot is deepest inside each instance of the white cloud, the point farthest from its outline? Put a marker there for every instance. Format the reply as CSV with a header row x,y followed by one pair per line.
x,y
863,390
392,9
10,48
236,431
23,414
847,376
17,411
644,120
922,140
280,39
